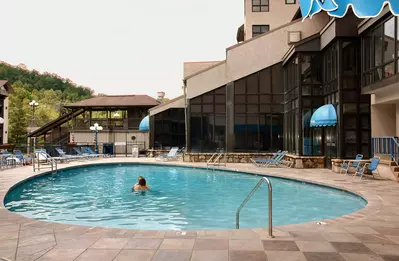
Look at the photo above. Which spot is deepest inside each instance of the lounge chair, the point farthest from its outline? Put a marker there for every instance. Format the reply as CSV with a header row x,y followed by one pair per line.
x,y
170,156
278,161
18,154
43,156
355,164
62,154
372,166
89,151
261,161
84,155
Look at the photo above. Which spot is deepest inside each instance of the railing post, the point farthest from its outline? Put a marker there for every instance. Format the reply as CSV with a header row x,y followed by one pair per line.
x,y
270,189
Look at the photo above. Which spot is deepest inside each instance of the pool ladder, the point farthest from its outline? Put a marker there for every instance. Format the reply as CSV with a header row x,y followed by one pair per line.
x,y
215,159
45,157
264,179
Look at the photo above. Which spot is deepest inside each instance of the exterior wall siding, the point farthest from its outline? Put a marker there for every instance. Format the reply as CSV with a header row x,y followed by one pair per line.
x,y
279,14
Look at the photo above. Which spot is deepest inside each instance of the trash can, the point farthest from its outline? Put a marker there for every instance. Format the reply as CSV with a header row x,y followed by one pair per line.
x,y
135,152
108,149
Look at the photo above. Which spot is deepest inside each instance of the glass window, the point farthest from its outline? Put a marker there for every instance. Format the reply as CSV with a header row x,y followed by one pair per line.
x,y
265,81
240,99
259,29
290,2
239,86
260,5
389,40
252,84
277,79
378,45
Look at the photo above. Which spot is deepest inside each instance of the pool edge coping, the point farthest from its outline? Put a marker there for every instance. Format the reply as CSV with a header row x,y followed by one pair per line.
x,y
367,209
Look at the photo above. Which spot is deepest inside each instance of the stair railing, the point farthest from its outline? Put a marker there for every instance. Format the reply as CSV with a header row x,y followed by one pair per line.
x,y
386,145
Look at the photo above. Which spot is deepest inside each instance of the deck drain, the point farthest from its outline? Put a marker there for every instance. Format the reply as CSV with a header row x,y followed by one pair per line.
x,y
179,233
321,223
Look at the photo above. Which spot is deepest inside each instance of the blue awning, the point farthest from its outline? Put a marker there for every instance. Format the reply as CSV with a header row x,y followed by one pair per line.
x,y
324,116
145,124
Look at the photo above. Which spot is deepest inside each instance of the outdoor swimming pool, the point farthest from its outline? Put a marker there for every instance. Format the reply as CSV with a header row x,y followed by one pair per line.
x,y
180,199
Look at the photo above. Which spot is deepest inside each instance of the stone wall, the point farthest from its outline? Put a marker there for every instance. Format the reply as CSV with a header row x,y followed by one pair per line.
x,y
299,162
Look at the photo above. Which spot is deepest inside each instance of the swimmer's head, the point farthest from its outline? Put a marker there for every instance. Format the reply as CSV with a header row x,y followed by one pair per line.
x,y
142,181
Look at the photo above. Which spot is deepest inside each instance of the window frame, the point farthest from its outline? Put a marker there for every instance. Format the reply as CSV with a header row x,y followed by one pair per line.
x,y
370,53
260,5
260,29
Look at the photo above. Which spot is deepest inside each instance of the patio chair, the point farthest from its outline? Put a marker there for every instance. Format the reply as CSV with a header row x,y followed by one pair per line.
x,y
84,155
43,156
372,166
355,164
278,161
89,151
18,154
8,159
261,161
170,156
63,154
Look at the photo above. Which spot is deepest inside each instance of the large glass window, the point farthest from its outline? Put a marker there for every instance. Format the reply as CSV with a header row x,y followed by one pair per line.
x,y
260,5
208,121
380,51
259,107
168,129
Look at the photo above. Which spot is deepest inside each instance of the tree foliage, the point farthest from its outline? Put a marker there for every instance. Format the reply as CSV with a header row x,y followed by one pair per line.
x,y
49,90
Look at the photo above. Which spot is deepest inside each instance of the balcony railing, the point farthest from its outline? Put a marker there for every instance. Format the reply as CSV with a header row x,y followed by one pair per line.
x,y
108,124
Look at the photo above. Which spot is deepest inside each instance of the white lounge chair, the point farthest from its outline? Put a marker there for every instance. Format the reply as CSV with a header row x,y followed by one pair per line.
x,y
170,156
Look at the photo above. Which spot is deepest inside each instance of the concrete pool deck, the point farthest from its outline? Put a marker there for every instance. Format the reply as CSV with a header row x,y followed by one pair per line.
x,y
371,233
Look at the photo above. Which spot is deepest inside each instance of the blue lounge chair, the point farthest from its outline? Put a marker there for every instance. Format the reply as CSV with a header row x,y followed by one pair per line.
x,y
62,154
89,151
355,164
261,161
170,156
372,166
276,162
84,155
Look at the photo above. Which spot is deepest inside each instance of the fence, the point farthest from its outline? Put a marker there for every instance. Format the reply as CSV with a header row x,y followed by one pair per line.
x,y
118,149
386,146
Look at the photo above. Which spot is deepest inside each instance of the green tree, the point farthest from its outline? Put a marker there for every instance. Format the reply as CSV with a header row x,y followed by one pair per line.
x,y
49,90
18,113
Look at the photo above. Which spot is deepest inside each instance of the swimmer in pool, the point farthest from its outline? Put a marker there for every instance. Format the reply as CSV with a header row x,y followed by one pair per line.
x,y
141,185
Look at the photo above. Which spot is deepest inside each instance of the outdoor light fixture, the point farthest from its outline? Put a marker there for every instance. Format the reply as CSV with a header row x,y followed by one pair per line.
x,y
33,104
96,128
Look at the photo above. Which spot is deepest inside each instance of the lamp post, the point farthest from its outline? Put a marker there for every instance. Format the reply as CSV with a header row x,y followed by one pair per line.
x,y
33,104
96,128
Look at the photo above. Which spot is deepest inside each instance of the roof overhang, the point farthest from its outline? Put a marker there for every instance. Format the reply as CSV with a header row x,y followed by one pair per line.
x,y
310,44
367,23
176,103
5,88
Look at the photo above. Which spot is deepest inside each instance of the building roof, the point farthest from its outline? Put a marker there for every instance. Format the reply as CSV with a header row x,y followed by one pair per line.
x,y
5,88
115,101
177,102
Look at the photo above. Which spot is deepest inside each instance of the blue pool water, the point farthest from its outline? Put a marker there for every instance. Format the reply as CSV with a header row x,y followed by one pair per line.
x,y
180,199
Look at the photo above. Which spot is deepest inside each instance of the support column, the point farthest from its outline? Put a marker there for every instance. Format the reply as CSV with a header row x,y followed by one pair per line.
x,y
397,120
230,138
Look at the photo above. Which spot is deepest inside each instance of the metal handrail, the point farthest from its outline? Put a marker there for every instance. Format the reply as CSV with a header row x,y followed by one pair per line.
x,y
264,179
209,162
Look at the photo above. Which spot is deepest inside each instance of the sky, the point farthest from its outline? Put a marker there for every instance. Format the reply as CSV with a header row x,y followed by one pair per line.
x,y
118,46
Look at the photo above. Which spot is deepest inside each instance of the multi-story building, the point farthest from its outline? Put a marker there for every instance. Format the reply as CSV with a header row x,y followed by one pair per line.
x,y
322,88
264,15
5,90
